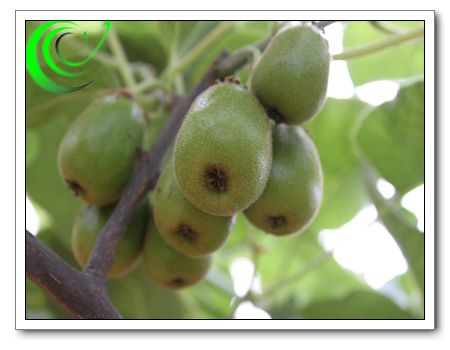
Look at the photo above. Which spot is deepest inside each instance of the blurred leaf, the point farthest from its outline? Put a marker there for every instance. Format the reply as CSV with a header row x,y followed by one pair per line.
x,y
40,104
409,216
410,240
391,137
136,297
31,146
143,42
303,257
239,233
344,193
178,31
45,105
43,183
356,305
201,29
211,298
408,285
402,61
244,33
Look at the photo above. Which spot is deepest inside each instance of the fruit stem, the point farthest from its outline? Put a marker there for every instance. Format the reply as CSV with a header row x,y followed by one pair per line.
x,y
231,64
122,61
380,45
385,27
149,85
203,46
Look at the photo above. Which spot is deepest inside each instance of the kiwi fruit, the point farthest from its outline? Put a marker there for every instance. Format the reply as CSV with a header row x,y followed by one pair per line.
x,y
88,224
96,155
294,191
185,228
169,268
291,77
223,154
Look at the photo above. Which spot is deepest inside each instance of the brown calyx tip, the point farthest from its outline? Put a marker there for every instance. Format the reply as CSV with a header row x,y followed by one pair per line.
x,y
74,186
274,115
187,233
177,282
232,80
277,221
216,178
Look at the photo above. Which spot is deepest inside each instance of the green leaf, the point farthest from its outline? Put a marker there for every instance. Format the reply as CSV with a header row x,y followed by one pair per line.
x,y
391,137
176,31
244,33
137,297
356,305
143,42
391,142
201,29
210,298
43,183
31,146
309,271
42,105
409,239
398,62
344,193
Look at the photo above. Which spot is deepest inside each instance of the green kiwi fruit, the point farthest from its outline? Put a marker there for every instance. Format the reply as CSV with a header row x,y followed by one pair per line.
x,y
169,268
223,154
96,155
291,77
185,228
294,191
88,224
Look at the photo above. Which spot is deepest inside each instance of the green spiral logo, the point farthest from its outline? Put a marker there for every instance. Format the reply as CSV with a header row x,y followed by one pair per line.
x,y
51,35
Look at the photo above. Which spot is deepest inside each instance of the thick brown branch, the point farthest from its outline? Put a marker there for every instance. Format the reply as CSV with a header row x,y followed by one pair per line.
x,y
83,296
142,182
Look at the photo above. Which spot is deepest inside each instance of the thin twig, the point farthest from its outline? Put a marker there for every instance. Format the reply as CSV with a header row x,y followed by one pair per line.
x,y
122,61
382,44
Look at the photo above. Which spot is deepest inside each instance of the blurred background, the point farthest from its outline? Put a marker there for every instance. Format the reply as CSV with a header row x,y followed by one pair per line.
x,y
362,257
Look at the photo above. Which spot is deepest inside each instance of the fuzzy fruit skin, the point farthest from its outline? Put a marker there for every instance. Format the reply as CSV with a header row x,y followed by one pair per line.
x,y
294,192
227,131
97,153
169,268
88,224
185,228
291,77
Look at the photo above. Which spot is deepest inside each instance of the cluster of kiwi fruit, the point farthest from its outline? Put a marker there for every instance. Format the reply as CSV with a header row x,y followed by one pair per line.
x,y
238,150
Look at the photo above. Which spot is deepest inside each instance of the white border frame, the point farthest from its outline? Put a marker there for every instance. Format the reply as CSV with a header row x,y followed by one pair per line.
x,y
427,323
